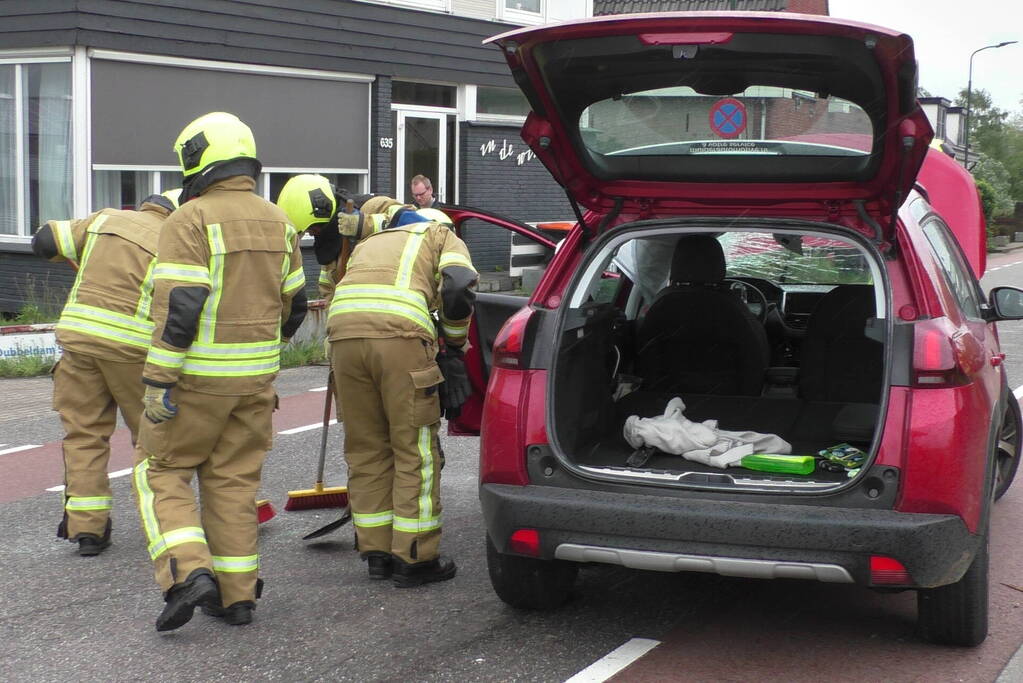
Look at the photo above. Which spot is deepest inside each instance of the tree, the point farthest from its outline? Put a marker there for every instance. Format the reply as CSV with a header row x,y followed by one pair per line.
x,y
992,173
997,140
987,201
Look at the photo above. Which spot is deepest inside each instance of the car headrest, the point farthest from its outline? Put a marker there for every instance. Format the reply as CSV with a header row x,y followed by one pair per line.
x,y
698,259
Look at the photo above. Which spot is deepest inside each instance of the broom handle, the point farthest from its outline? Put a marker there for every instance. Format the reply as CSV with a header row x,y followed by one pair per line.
x,y
326,424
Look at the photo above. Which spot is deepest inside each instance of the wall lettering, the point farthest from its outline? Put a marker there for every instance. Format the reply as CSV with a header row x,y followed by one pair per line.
x,y
506,151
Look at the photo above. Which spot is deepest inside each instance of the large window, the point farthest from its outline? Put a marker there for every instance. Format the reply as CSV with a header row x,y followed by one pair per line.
x,y
35,144
500,102
126,188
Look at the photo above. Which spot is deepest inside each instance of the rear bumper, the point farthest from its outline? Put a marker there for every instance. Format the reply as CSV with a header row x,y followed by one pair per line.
x,y
745,539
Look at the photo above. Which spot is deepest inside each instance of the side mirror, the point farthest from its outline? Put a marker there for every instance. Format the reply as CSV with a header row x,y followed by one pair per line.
x,y
1007,303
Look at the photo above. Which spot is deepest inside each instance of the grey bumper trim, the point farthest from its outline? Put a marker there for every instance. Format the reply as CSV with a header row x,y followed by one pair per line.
x,y
725,566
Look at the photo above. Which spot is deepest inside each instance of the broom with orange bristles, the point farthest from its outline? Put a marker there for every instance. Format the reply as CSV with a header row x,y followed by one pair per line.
x,y
320,497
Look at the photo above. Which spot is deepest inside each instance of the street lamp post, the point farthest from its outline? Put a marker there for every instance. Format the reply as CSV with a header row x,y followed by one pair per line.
x,y
969,92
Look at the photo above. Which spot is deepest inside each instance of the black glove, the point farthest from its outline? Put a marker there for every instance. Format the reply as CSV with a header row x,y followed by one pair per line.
x,y
455,388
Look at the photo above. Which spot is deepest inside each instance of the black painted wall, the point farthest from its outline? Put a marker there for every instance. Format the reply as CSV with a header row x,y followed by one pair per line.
x,y
335,35
500,174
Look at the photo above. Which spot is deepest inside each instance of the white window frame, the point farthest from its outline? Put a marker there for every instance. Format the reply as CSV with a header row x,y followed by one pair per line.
x,y
428,5
518,16
19,58
471,111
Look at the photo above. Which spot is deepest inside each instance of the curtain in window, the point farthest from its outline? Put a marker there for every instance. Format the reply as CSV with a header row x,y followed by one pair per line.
x,y
8,156
50,120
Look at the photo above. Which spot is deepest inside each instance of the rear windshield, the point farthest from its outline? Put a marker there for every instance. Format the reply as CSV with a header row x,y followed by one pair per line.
x,y
759,121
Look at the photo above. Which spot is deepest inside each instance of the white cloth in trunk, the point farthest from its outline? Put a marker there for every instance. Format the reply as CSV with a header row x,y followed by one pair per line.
x,y
700,442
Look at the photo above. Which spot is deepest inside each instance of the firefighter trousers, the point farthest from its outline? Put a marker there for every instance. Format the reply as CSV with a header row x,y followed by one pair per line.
x,y
388,392
223,440
87,392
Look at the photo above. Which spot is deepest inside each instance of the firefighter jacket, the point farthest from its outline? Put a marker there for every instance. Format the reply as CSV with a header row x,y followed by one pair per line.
x,y
397,278
228,286
107,314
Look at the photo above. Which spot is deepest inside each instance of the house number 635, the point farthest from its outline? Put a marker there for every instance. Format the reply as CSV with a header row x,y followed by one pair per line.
x,y
387,143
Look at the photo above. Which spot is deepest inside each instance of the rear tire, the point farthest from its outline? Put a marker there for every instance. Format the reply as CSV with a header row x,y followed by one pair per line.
x,y
1008,453
528,583
957,614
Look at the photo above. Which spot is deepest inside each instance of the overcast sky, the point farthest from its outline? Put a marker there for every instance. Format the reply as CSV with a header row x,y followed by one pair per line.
x,y
945,32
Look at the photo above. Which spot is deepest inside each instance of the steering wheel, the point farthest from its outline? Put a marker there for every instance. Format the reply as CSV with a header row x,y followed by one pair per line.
x,y
744,290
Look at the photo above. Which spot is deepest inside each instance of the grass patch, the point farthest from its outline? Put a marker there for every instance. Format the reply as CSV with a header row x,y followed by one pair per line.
x,y
25,366
41,301
303,353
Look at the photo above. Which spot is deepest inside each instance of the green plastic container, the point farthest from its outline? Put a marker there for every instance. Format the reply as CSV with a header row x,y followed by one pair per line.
x,y
782,464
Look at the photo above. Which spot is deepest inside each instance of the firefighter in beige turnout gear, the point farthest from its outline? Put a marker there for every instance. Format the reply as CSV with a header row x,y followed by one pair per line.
x,y
229,287
104,332
384,352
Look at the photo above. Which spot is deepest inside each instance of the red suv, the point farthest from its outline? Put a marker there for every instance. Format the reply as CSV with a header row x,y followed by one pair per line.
x,y
765,234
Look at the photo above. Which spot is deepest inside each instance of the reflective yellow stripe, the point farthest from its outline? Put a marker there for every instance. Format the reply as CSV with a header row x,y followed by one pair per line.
x,y
451,258
414,526
230,368
90,241
65,240
145,495
408,258
104,332
454,330
208,319
400,295
182,272
325,278
372,519
235,350
426,520
165,358
146,293
294,281
104,315
89,503
235,565
176,537
398,309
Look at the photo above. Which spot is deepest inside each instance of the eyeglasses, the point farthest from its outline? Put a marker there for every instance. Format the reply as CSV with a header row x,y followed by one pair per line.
x,y
423,193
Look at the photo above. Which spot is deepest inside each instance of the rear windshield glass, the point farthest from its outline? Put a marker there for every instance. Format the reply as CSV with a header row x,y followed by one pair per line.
x,y
798,268
760,120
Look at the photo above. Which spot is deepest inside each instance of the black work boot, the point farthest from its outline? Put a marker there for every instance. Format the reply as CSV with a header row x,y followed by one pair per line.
x,y
409,575
236,614
182,599
91,544
379,564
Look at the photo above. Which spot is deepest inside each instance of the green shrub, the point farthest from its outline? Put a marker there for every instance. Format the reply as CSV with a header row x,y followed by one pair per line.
x,y
25,366
303,353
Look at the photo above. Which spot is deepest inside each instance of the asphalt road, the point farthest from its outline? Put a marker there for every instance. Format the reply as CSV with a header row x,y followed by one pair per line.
x,y
66,617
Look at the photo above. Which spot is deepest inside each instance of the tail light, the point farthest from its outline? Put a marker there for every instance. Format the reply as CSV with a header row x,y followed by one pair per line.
x,y
938,360
510,340
525,542
887,571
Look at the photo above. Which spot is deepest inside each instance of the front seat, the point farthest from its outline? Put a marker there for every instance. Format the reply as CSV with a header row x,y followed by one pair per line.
x,y
839,362
697,337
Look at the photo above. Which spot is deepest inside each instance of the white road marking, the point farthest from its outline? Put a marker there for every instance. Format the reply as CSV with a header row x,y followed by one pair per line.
x,y
19,448
111,475
319,389
1018,393
613,662
306,428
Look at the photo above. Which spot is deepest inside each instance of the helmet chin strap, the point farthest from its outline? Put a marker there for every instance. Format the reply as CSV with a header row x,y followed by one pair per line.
x,y
195,184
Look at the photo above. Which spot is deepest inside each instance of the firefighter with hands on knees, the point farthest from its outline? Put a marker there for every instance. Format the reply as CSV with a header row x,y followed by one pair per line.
x,y
393,381
229,288
104,331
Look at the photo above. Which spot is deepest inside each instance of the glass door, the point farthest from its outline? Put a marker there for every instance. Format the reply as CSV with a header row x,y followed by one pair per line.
x,y
421,150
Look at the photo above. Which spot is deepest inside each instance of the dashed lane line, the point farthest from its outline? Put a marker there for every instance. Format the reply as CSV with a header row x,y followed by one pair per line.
x,y
1018,393
20,448
306,428
319,389
615,661
111,475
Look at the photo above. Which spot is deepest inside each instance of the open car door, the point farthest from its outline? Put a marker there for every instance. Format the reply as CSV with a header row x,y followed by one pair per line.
x,y
492,310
